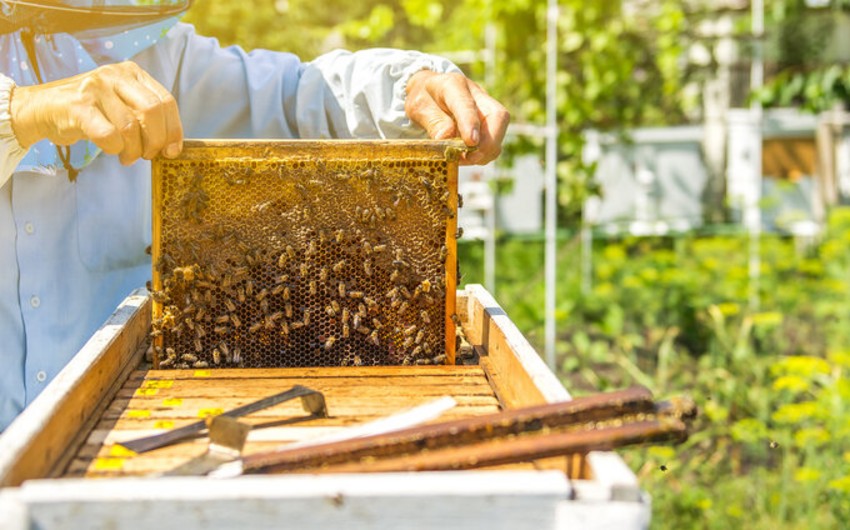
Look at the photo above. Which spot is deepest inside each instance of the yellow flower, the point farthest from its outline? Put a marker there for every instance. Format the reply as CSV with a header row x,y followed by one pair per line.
x,y
793,383
767,318
728,309
840,484
791,413
811,436
802,365
806,474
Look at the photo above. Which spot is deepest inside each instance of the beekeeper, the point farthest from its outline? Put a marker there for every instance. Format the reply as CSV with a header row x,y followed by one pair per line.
x,y
92,90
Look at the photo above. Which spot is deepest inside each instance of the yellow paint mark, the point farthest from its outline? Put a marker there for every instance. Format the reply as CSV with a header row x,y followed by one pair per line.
x,y
139,414
163,424
209,412
108,464
147,392
157,383
202,373
121,451
172,402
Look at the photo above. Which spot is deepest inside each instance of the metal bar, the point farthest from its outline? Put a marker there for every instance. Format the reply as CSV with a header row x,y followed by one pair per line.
x,y
313,402
599,407
551,178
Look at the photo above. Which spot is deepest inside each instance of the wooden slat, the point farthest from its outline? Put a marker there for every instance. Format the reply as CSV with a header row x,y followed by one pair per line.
x,y
323,372
517,371
37,440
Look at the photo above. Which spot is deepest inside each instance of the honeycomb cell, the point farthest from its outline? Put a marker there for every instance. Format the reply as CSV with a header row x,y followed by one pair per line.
x,y
298,255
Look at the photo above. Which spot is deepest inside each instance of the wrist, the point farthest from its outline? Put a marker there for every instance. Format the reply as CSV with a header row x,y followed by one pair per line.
x,y
418,79
23,121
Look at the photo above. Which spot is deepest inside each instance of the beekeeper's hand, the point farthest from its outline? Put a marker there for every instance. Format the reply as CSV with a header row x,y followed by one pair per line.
x,y
119,107
451,105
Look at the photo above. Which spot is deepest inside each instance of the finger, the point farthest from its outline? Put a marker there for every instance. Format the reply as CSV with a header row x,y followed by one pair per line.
x,y
148,110
124,120
171,115
95,126
422,109
451,92
494,124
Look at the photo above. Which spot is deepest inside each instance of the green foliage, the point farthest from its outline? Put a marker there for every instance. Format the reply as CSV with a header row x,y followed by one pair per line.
x,y
771,448
616,69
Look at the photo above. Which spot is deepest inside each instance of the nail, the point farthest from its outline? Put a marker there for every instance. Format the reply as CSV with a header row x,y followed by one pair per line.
x,y
172,150
475,136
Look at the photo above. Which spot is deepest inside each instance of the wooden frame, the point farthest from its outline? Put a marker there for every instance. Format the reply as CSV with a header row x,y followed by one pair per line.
x,y
36,446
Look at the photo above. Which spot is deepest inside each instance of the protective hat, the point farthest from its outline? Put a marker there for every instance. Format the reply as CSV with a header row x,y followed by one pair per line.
x,y
85,18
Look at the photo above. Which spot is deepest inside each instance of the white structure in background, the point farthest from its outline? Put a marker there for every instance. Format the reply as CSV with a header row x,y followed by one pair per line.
x,y
520,211
478,215
652,185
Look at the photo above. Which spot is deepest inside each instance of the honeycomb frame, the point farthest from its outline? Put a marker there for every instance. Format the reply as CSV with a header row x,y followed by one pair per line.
x,y
277,253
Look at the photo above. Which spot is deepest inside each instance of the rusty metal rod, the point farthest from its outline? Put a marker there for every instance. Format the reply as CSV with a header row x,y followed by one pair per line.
x,y
599,407
524,448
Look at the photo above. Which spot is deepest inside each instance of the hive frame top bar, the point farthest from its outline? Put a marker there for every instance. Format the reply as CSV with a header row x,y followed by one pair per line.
x,y
415,196
449,150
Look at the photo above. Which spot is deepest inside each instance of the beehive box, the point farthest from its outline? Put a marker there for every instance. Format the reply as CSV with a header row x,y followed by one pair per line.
x,y
108,393
271,250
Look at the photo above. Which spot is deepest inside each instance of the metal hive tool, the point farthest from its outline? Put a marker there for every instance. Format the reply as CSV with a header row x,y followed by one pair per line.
x,y
305,253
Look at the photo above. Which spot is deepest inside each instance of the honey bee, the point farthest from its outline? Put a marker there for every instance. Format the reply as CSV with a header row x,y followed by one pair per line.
x,y
392,293
355,294
419,336
356,321
306,317
221,330
223,319
345,331
255,327
284,328
408,342
377,323
335,306
283,278
237,356
330,311
226,282
200,364
189,323
404,292
198,346
373,305
444,252
314,287
367,248
394,276
380,213
165,363
364,330
249,288
216,356
357,361
225,349
277,289
323,275
234,319
379,248
403,308
345,315
155,333
339,266
361,310
228,303
296,325
200,332
311,249
290,251
373,338
341,289
410,330
422,362
262,295
425,285
329,343
427,348
395,303
304,270
240,273
240,295
160,297
189,357
459,233
264,305
367,267
456,319
426,318
338,235
286,293
288,310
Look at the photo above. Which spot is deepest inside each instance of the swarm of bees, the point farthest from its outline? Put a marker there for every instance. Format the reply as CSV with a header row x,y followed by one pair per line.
x,y
337,264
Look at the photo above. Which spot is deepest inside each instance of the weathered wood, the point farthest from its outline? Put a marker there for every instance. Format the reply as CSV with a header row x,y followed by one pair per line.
x,y
514,368
36,441
509,500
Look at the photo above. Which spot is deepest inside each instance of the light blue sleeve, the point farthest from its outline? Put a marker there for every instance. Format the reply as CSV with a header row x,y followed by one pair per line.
x,y
228,93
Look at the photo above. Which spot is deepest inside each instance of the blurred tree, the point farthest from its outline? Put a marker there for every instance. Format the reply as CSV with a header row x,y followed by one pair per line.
x,y
617,68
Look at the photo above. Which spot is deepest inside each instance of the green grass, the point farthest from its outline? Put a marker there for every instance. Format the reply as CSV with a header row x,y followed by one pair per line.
x,y
771,448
